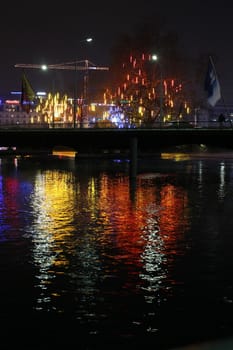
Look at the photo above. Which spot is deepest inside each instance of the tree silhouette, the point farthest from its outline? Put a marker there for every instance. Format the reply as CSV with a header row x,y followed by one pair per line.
x,y
143,88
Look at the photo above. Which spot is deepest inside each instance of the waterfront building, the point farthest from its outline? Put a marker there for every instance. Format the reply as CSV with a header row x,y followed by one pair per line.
x,y
12,114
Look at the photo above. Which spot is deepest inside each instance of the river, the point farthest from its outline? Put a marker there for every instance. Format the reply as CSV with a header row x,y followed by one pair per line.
x,y
91,259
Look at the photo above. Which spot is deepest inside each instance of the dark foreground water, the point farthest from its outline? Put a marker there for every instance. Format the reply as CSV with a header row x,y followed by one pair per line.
x,y
92,260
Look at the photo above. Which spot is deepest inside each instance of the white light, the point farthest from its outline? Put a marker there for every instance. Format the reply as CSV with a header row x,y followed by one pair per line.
x,y
41,93
154,57
44,67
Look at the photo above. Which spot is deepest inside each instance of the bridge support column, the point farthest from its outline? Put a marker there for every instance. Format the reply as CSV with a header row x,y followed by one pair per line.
x,y
133,157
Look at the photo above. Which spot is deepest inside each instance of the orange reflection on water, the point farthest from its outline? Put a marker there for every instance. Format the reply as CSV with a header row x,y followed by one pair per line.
x,y
164,202
93,218
175,217
58,200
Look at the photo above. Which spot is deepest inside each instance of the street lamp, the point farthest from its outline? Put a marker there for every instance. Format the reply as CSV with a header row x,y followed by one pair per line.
x,y
155,58
87,40
44,67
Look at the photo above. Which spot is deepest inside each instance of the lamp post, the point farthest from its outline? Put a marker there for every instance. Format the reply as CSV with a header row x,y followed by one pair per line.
x,y
85,90
44,67
155,58
75,95
87,40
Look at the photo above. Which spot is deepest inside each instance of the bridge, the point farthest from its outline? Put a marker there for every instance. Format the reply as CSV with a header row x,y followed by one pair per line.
x,y
96,140
105,142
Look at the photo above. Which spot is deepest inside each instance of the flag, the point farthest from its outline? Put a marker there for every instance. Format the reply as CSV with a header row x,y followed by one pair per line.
x,y
212,85
27,94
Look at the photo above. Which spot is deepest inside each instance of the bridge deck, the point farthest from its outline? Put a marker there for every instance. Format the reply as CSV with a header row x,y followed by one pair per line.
x,y
93,140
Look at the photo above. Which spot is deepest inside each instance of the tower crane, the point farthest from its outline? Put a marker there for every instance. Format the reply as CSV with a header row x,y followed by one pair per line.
x,y
84,65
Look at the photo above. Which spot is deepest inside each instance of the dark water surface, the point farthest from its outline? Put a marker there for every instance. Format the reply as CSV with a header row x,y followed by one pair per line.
x,y
90,259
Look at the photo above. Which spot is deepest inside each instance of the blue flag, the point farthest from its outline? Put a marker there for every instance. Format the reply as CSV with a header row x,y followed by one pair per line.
x,y
212,85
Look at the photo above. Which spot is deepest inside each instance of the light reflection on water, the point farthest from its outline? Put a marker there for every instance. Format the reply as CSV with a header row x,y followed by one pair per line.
x,y
118,266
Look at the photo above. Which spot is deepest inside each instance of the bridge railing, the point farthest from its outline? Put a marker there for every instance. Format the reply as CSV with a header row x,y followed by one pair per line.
x,y
210,124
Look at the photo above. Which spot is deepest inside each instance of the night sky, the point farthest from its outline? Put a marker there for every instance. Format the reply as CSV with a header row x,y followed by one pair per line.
x,y
49,32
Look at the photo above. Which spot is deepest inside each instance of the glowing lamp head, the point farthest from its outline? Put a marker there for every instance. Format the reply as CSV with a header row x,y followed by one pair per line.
x,y
154,57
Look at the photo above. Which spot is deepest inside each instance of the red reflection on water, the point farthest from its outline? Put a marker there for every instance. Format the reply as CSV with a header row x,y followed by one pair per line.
x,y
161,207
10,206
